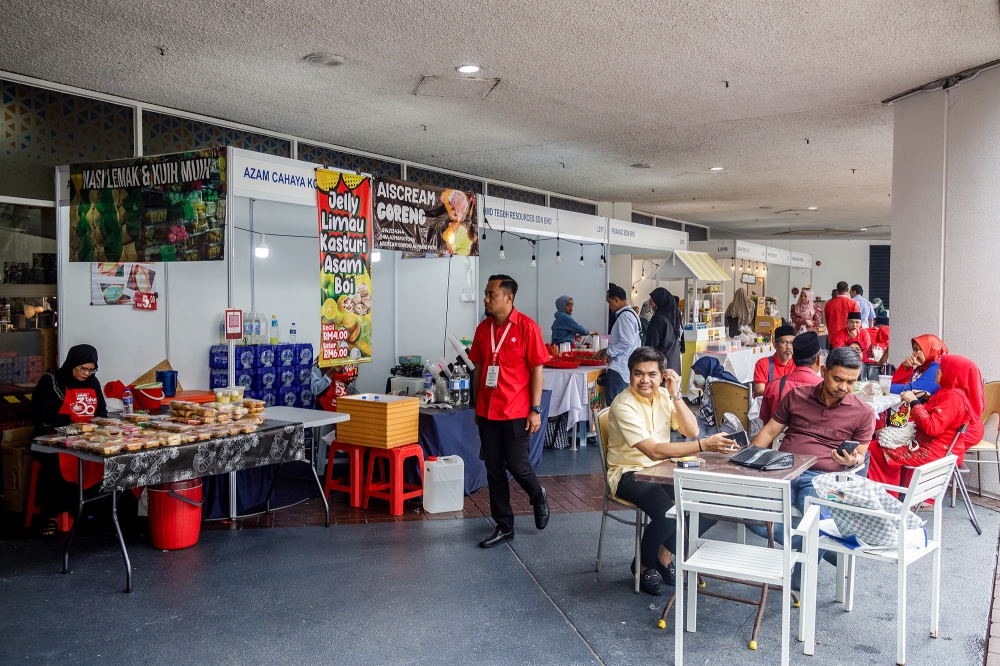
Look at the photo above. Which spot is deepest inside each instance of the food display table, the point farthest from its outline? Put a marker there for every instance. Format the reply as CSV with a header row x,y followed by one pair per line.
x,y
739,363
570,392
274,443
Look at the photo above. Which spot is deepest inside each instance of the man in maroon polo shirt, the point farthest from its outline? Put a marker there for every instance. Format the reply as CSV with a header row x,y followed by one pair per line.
x,y
806,360
508,351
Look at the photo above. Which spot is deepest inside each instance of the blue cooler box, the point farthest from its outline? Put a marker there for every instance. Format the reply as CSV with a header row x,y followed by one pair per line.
x,y
267,379
218,357
284,355
306,400
246,357
218,379
304,354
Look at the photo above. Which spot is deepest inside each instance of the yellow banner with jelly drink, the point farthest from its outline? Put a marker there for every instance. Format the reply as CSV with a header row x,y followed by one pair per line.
x,y
345,241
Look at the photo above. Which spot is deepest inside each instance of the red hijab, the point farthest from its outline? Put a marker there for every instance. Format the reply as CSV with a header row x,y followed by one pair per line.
x,y
933,348
961,375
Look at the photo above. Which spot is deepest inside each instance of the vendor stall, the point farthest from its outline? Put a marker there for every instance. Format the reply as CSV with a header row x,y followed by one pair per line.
x,y
738,362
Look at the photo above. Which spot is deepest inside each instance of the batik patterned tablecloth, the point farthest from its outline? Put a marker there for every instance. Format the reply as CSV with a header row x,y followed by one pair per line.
x,y
274,442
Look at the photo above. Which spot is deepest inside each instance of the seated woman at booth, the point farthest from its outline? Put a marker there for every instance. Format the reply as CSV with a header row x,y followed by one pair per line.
x,y
71,394
958,402
918,371
806,315
565,328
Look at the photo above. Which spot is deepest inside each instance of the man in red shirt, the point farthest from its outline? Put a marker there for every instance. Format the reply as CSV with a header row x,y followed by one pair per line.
x,y
508,351
778,365
806,360
835,311
852,332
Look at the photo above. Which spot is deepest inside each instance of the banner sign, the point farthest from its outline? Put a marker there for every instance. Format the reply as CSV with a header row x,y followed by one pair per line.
x,y
345,242
162,208
425,219
121,283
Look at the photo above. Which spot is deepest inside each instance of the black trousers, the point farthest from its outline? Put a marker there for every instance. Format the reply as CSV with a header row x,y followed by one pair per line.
x,y
655,499
505,446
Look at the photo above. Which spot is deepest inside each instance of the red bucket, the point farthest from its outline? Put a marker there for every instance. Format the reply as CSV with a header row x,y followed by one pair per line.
x,y
148,397
175,514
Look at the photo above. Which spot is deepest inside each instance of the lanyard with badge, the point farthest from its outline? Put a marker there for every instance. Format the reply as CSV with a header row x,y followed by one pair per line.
x,y
493,371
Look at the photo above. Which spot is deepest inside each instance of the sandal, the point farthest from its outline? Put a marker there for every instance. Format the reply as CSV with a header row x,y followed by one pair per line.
x,y
50,528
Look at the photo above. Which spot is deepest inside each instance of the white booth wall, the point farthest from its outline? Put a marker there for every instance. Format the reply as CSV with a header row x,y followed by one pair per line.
x,y
539,287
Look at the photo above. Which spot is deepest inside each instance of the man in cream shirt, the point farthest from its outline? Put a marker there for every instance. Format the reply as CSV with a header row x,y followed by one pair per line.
x,y
639,426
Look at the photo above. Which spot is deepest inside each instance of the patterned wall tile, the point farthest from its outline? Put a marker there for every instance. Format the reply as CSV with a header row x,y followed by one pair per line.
x,y
163,133
514,194
573,205
438,179
43,129
340,160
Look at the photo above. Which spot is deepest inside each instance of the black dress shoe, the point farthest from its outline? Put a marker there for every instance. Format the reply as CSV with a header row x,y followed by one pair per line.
x,y
650,582
497,537
542,511
667,573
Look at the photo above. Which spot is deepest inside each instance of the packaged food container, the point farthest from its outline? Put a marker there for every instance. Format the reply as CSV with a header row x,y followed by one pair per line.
x,y
236,393
223,396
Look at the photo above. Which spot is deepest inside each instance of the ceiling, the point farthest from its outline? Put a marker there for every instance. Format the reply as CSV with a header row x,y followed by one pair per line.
x,y
586,89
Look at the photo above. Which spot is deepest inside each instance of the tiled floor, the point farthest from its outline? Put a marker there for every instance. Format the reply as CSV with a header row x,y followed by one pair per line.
x,y
567,494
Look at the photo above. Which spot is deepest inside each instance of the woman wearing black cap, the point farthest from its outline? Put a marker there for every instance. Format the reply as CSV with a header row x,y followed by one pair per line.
x,y
777,366
71,394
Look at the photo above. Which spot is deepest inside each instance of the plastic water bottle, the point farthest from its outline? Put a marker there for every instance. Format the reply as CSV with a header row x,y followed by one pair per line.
x,y
274,330
428,378
291,334
466,388
222,333
255,320
127,402
455,388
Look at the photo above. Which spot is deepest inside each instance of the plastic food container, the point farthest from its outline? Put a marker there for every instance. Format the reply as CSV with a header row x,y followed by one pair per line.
x,y
223,396
236,393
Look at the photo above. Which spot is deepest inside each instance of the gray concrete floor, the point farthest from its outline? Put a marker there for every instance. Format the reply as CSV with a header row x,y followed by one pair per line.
x,y
422,593
559,462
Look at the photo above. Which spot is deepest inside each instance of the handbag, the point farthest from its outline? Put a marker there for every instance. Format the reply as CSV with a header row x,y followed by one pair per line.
x,y
858,491
892,437
765,460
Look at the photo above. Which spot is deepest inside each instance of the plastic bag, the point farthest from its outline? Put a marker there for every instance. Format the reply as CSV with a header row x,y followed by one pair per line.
x,y
858,491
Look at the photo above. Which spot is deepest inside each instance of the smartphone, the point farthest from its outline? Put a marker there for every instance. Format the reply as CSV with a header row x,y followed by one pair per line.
x,y
847,447
741,438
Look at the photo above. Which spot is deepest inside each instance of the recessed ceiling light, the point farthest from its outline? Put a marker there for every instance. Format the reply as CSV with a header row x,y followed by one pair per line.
x,y
715,168
468,69
642,165
325,59
813,208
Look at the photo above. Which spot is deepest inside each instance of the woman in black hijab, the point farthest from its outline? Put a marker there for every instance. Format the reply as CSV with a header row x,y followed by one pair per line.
x,y
71,394
665,330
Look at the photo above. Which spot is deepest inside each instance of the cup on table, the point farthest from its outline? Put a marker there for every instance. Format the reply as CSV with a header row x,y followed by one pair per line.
x,y
885,381
822,356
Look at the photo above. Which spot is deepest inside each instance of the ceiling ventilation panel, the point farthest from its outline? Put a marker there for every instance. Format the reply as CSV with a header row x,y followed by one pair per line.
x,y
455,87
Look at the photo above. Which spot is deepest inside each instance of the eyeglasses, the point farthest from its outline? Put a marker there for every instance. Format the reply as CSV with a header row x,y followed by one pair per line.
x,y
86,371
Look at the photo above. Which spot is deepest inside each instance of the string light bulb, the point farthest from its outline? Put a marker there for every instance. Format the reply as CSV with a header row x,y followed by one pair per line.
x,y
533,262
484,234
261,250
733,264
558,257
602,262
502,255
581,258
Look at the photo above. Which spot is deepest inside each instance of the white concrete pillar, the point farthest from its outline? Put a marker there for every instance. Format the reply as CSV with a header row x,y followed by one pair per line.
x,y
946,220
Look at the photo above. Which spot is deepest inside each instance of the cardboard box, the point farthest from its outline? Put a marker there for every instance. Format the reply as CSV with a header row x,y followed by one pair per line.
x,y
380,421
17,461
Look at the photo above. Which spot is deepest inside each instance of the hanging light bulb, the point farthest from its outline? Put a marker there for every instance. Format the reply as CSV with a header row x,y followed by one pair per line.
x,y
733,264
533,262
602,262
261,251
581,260
558,254
558,257
635,292
502,256
376,256
643,275
484,234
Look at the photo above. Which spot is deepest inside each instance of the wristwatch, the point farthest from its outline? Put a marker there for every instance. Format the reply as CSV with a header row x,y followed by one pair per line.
x,y
536,409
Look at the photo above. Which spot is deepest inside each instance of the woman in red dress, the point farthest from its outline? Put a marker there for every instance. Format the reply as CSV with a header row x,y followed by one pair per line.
x,y
958,402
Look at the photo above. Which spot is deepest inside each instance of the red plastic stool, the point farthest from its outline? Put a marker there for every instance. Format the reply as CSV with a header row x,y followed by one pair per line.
x,y
352,485
394,489
32,508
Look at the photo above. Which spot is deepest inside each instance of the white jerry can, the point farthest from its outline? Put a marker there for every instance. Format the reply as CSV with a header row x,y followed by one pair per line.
x,y
444,484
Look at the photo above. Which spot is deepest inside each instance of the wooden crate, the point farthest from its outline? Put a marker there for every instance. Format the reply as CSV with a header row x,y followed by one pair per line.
x,y
379,421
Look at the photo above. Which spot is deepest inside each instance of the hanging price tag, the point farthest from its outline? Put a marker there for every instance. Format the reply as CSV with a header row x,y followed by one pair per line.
x,y
145,301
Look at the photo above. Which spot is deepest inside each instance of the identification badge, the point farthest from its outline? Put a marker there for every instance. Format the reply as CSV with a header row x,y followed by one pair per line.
x,y
492,375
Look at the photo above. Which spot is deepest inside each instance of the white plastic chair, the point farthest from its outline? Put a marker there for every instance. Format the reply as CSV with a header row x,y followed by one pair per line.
x,y
747,498
928,481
